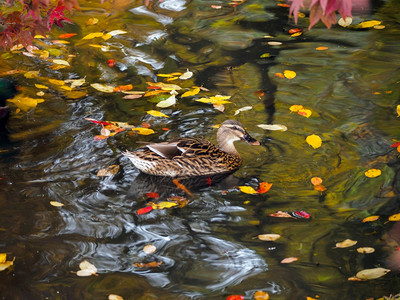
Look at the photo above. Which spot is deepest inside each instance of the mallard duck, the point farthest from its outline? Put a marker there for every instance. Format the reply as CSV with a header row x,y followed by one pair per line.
x,y
185,157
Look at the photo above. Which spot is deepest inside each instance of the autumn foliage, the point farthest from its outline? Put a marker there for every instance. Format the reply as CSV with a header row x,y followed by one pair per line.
x,y
23,19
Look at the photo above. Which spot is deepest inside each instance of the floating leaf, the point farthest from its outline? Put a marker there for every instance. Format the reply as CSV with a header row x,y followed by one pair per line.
x,y
25,103
41,86
264,187
92,35
321,48
117,32
316,181
319,188
156,113
395,217
372,273
398,110
114,297
4,263
371,173
92,21
31,74
152,195
133,96
61,62
122,88
279,75
368,24
192,92
56,204
269,237
261,295
102,87
164,204
186,75
143,131
235,297
245,108
219,107
314,141
370,219
296,108
281,214
247,189
305,112
265,55
289,74
294,30
75,82
182,187
278,127
216,100
56,81
86,269
165,86
365,250
289,260
144,210
168,102
346,243
148,249
109,171
152,264
66,35
345,22
273,43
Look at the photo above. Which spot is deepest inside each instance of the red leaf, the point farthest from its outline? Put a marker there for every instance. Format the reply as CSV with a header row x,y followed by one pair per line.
x,y
301,214
208,181
235,297
111,62
98,122
100,137
154,87
259,94
153,195
395,145
146,125
144,210
66,35
294,30
264,187
165,129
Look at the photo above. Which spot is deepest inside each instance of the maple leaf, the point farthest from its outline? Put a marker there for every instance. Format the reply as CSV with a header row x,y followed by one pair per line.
x,y
56,16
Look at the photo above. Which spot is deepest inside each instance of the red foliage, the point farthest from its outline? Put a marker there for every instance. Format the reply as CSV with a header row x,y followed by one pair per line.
x,y
323,10
31,17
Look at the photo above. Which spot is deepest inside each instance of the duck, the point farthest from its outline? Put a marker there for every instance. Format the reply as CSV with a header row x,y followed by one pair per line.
x,y
188,157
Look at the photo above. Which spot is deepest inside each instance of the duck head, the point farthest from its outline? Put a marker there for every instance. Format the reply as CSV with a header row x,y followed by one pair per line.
x,y
231,131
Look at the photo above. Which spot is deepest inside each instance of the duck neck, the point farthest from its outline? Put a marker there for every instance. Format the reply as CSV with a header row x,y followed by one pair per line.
x,y
227,146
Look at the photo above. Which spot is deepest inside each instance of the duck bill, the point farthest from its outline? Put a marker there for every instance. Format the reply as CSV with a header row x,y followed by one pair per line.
x,y
248,139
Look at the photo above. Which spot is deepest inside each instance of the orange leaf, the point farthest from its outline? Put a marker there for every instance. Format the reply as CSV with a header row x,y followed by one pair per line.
x,y
283,5
152,264
100,137
294,30
182,187
395,217
120,88
235,297
264,187
261,295
289,260
321,48
316,181
319,188
370,219
279,75
66,35
153,195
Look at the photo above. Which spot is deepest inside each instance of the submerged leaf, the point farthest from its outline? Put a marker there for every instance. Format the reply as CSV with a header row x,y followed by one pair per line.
x,y
261,295
372,273
289,260
109,171
25,103
365,250
148,249
152,264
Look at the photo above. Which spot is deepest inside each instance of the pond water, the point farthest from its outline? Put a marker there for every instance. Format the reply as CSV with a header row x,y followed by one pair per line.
x,y
209,248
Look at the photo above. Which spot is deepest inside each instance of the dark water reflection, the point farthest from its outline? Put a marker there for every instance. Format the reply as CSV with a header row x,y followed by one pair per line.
x,y
208,248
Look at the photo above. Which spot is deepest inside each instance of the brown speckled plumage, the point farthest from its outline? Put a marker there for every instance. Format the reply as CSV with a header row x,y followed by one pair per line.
x,y
184,157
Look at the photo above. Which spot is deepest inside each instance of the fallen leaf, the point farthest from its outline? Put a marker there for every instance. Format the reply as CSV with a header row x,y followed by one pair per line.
x,y
152,195
164,204
56,204
301,214
216,100
245,108
181,201
25,103
41,86
117,32
265,55
92,35
305,112
133,96
273,43
354,279
31,74
100,137
278,127
259,94
114,297
264,187
346,243
186,75
4,263
168,102
269,237
92,21
261,295
143,131
321,48
192,92
182,187
61,62
122,88
372,273
235,297
345,22
289,74
316,181
164,86
75,82
281,214
370,219
279,75
219,107
144,210
105,131
152,264
102,87
319,188
109,171
365,250
296,34
296,108
247,189
314,141
395,217
86,269
371,173
398,110
66,35
156,113
148,249
289,260
368,24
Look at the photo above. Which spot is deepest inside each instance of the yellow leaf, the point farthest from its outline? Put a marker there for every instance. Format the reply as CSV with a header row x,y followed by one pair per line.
x,y
114,297
370,219
56,82
39,36
289,74
371,173
216,100
296,108
265,55
368,24
261,295
106,36
60,42
314,141
61,62
165,86
31,74
143,131
346,243
3,257
398,110
56,204
92,35
395,217
102,87
296,34
193,92
305,112
5,264
108,171
165,75
25,103
269,237
163,205
156,113
41,86
247,189
365,250
76,82
92,21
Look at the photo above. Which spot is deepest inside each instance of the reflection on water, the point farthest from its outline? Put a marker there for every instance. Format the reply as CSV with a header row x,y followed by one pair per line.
x,y
209,248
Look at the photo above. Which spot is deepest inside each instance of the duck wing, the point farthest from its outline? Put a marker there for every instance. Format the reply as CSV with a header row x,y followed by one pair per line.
x,y
184,147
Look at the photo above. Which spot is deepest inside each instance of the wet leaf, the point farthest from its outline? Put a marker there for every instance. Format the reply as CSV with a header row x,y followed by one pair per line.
x,y
66,35
264,187
75,82
152,195
148,249
56,81
289,260
31,74
395,217
168,102
345,22
216,100
100,137
346,243
278,127
261,295
122,88
321,48
371,173
265,55
270,237
235,297
296,108
247,189
273,43
294,30
102,87
368,24
152,264
25,103
289,74
305,112
133,96
41,86
281,214
182,187
164,204
4,263
319,188
370,219
398,110
192,92
156,113
143,131
219,107
117,32
56,204
245,108
75,94
144,210
186,75
181,201
86,269
316,181
165,86
314,141
279,75
114,297
372,273
92,21
109,171
365,250
296,34
92,35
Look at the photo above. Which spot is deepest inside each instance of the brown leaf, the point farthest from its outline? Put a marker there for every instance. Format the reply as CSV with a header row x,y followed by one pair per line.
x,y
109,171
